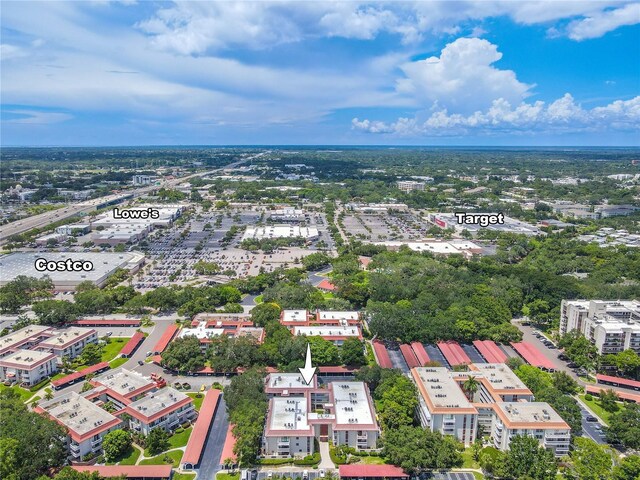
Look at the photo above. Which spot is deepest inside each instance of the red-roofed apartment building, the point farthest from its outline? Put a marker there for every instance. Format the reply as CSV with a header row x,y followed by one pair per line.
x,y
166,408
86,422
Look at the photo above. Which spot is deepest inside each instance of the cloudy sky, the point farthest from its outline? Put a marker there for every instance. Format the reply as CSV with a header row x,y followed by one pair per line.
x,y
311,72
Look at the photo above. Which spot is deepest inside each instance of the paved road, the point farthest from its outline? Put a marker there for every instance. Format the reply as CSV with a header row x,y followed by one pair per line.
x,y
161,325
592,430
210,462
315,278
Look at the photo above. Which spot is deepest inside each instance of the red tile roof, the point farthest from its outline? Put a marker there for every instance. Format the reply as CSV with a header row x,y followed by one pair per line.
x,y
200,430
167,336
326,285
594,390
454,353
80,374
532,355
381,354
623,382
132,344
335,369
364,471
490,351
113,322
130,471
421,353
409,356
229,443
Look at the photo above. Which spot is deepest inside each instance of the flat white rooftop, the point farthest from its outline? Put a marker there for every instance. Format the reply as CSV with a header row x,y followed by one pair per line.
x,y
294,316
19,337
499,376
338,315
26,359
351,403
104,263
288,380
67,336
327,331
289,414
77,413
442,390
279,231
537,413
123,381
201,331
158,401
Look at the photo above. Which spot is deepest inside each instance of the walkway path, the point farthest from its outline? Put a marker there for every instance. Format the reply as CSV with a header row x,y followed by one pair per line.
x,y
325,458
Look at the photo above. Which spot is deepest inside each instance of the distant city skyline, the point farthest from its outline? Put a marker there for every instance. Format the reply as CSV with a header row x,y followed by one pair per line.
x,y
472,73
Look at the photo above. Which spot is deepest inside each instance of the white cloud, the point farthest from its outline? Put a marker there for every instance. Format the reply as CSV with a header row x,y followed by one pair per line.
x,y
8,51
601,22
560,116
462,77
33,117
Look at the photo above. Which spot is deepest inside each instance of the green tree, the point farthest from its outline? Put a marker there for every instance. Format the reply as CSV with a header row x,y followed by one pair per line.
x,y
55,312
416,448
323,351
184,355
526,458
157,441
265,313
590,461
609,400
352,352
627,469
564,383
23,435
316,261
115,444
470,387
624,426
91,354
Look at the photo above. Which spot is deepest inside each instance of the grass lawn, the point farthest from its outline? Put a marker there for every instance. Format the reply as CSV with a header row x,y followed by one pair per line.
x,y
225,476
184,476
112,349
597,409
197,402
117,362
129,458
24,394
178,440
467,458
59,375
372,460
175,455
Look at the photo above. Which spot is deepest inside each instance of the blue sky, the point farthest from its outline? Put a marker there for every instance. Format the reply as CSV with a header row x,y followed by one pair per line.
x,y
310,72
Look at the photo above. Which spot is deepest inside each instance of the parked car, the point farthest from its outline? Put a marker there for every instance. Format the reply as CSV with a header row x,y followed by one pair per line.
x,y
591,418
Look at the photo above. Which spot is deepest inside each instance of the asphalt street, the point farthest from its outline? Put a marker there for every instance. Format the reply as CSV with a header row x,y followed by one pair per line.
x,y
210,462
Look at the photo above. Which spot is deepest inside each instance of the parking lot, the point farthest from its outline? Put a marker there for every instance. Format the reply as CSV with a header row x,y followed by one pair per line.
x,y
208,237
379,227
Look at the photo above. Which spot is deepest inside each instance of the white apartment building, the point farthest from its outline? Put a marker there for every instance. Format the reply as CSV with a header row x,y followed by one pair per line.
x,y
612,326
27,366
26,337
166,408
85,421
536,419
68,342
331,333
299,413
410,185
443,406
502,405
121,386
287,431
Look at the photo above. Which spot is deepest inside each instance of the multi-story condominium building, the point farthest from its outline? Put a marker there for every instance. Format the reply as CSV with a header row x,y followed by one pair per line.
x,y
335,334
121,387
536,419
410,185
27,367
443,406
85,421
26,337
166,408
69,342
343,318
287,431
500,404
612,326
299,413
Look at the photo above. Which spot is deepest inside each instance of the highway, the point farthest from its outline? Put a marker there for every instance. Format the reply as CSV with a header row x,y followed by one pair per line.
x,y
44,219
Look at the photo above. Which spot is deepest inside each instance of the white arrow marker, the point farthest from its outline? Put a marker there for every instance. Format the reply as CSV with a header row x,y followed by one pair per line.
x,y
308,371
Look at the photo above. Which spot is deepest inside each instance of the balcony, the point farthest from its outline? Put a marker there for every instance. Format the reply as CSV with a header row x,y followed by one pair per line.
x,y
96,442
75,448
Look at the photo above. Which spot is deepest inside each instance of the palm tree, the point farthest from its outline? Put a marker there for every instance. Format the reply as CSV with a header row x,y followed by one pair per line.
x,y
48,395
470,387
